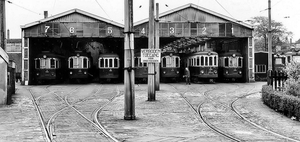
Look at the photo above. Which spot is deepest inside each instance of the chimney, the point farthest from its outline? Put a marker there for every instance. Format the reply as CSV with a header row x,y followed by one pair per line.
x,y
45,14
7,34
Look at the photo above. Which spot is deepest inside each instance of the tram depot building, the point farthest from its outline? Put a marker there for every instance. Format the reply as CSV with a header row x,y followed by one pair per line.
x,y
75,30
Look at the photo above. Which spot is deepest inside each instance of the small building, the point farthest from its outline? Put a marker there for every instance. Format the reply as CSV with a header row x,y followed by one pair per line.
x,y
14,51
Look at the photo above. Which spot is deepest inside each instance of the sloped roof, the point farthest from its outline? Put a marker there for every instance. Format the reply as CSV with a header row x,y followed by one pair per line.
x,y
71,12
200,9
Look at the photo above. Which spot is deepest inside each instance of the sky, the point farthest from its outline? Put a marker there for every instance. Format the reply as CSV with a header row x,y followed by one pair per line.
x,y
21,12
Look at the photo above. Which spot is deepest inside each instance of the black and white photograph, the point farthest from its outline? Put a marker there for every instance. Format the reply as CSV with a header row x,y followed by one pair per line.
x,y
149,71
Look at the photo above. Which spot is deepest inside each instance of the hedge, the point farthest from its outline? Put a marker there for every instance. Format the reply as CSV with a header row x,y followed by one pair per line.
x,y
287,104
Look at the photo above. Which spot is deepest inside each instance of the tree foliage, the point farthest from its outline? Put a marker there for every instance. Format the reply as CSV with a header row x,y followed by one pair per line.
x,y
280,34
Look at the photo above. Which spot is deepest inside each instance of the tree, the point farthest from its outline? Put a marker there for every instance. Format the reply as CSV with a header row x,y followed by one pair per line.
x,y
280,34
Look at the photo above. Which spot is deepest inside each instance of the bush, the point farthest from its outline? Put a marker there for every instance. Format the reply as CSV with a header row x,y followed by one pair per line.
x,y
279,101
292,84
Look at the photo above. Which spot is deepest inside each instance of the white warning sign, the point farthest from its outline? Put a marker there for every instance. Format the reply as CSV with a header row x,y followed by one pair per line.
x,y
150,55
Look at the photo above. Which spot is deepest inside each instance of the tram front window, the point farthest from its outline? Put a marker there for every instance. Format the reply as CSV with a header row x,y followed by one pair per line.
x,y
71,63
52,63
85,63
37,64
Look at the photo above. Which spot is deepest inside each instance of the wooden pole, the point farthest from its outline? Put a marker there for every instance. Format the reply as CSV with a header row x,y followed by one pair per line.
x,y
151,72
129,104
269,38
157,65
2,25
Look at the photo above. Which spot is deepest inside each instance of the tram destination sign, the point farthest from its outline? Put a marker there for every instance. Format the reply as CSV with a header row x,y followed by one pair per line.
x,y
150,55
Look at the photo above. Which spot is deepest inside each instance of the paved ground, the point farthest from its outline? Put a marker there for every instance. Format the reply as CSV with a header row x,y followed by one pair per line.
x,y
167,119
19,121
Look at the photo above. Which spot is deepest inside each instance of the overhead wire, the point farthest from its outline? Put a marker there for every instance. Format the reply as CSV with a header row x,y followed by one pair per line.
x,y
102,9
22,7
271,6
224,8
53,6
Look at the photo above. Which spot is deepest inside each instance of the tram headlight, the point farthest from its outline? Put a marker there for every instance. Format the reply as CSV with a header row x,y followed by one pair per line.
x,y
226,72
71,72
240,72
164,72
202,71
37,74
84,72
177,72
215,71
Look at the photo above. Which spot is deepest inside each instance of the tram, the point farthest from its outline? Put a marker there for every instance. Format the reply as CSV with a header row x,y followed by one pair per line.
x,y
49,67
203,66
79,67
170,67
109,67
230,66
279,62
141,69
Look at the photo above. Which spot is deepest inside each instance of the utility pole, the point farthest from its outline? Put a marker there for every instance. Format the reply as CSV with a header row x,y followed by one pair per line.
x,y
269,38
157,65
2,25
151,72
129,104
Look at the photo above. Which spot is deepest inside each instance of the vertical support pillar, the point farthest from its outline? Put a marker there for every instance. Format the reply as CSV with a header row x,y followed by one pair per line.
x,y
269,38
25,60
251,59
157,65
129,104
151,73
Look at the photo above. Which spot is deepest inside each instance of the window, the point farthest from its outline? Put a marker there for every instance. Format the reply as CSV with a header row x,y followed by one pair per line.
x,y
177,62
232,62
288,59
136,61
101,63
71,63
240,64
43,63
57,64
37,63
85,63
179,29
25,52
202,61
210,61
110,64
164,62
105,62
278,61
226,62
52,63
206,61
215,60
260,68
198,61
193,29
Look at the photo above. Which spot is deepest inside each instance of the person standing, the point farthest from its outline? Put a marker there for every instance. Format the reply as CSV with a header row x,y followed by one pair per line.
x,y
187,76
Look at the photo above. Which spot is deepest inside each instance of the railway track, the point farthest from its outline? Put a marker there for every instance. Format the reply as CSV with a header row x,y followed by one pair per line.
x,y
213,120
83,121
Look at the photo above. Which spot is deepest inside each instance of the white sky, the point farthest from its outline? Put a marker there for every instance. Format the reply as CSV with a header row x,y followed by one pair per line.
x,y
22,12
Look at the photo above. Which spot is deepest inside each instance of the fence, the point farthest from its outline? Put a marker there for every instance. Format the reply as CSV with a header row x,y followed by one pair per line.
x,y
276,79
